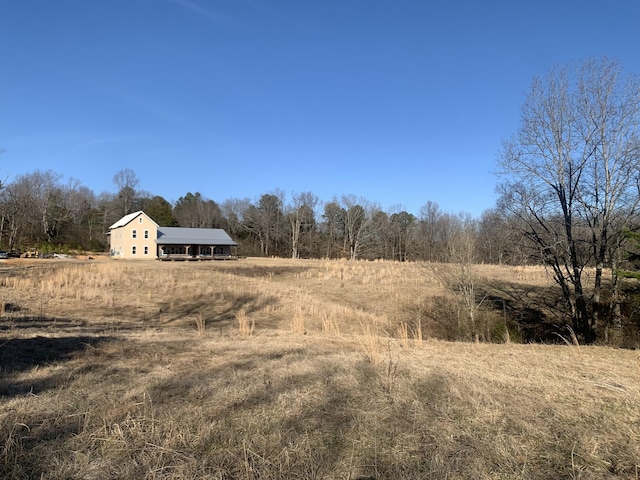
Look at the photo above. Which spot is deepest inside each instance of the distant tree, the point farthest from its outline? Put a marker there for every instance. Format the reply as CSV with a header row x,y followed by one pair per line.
x,y
632,260
402,231
380,237
332,229
499,239
17,212
356,218
108,211
266,222
430,230
47,198
127,181
195,211
161,211
84,219
233,213
301,218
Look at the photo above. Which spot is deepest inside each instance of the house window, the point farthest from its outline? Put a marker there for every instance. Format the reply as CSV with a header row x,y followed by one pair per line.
x,y
146,234
146,250
134,233
140,220
133,250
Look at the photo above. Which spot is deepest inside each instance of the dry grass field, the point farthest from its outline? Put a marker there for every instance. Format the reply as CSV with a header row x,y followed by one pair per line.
x,y
281,369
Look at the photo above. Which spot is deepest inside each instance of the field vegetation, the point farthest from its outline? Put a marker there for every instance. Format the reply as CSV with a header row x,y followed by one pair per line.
x,y
327,369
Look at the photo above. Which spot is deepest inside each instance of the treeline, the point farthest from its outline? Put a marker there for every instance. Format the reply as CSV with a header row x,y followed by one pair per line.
x,y
42,209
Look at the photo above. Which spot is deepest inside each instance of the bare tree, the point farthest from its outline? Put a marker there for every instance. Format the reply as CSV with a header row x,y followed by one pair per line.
x,y
609,106
573,173
499,239
458,271
430,229
392,233
356,217
127,181
108,212
265,222
233,211
332,228
196,211
402,234
16,210
81,203
380,236
302,218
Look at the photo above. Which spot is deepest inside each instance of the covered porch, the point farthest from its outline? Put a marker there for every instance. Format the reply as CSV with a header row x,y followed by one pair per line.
x,y
188,252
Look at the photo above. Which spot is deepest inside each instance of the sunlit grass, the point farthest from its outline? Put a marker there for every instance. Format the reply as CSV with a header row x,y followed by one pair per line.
x,y
269,368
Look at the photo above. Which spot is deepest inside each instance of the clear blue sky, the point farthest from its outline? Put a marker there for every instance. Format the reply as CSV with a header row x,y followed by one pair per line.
x,y
400,102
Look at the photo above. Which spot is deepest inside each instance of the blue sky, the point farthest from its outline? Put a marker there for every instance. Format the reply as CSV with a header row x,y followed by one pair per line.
x,y
399,102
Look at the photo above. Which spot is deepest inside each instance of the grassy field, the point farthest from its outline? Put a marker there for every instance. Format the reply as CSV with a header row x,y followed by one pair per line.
x,y
265,369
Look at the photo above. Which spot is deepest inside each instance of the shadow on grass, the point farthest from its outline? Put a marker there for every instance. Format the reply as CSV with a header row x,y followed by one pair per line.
x,y
309,415
26,322
537,311
284,420
20,354
217,312
266,271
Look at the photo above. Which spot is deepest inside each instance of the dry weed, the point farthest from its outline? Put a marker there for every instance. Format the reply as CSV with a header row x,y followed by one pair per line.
x,y
245,326
201,324
297,322
371,342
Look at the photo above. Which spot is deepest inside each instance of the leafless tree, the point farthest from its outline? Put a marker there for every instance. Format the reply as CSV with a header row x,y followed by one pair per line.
x,y
332,229
233,210
572,174
356,218
430,217
458,271
196,211
402,227
609,103
127,181
301,214
265,222
15,212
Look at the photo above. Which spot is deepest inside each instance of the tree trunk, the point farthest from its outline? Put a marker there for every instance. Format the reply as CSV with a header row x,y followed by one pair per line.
x,y
615,322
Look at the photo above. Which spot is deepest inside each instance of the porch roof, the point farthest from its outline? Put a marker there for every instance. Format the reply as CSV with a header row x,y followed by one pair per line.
x,y
193,236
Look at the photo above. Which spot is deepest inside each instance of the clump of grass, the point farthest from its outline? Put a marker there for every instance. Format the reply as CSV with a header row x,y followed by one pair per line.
x,y
201,324
410,335
246,326
297,322
371,342
403,335
572,341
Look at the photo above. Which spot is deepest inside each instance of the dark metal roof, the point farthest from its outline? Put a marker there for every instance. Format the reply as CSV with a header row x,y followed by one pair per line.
x,y
193,236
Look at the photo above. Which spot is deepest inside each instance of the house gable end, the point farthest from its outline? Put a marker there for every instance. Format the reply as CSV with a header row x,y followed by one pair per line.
x,y
131,217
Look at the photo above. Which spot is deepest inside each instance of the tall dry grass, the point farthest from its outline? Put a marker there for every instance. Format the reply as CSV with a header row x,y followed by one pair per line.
x,y
296,369
155,406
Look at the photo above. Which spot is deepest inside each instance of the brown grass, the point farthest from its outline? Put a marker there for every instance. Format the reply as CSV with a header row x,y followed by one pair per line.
x,y
104,376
